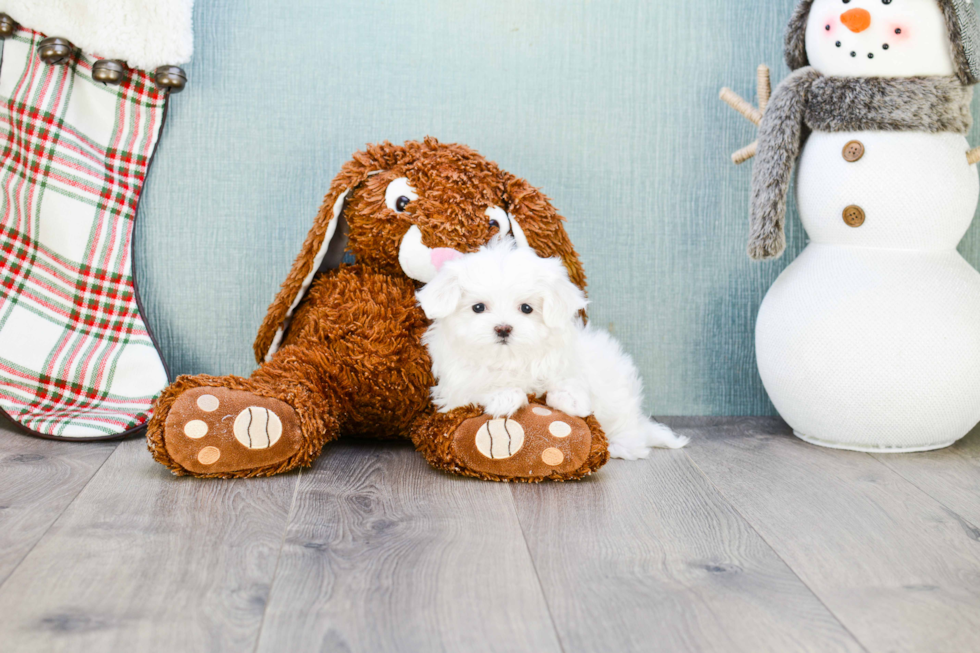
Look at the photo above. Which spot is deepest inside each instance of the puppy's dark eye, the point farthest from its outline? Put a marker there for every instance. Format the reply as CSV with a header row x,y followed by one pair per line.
x,y
401,203
526,309
479,308
494,224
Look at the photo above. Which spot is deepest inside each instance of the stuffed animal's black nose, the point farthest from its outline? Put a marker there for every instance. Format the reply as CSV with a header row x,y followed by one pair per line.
x,y
503,331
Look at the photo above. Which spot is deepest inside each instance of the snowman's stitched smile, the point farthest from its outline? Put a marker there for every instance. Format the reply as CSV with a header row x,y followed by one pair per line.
x,y
857,22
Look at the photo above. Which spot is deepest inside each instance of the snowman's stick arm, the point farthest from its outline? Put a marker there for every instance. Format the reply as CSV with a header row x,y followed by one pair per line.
x,y
735,101
745,153
973,156
764,85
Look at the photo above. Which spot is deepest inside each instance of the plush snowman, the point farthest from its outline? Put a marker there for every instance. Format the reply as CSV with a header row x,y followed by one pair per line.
x,y
870,339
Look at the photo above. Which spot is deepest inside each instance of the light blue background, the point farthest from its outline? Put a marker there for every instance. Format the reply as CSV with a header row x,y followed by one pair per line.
x,y
610,106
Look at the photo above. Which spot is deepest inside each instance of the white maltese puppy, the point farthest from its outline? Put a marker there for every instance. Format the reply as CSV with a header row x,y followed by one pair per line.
x,y
505,324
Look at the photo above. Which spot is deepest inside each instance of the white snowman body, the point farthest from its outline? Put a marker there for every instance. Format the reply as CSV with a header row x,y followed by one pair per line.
x,y
870,339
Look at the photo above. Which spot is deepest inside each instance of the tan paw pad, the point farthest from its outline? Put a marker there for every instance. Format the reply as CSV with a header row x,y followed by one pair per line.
x,y
208,403
195,429
257,427
552,456
499,439
560,429
209,455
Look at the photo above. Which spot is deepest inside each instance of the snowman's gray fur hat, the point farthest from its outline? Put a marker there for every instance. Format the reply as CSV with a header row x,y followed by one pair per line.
x,y
961,21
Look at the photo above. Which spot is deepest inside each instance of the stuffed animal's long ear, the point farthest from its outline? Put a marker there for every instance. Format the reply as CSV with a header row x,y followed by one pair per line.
x,y
324,246
562,299
535,221
326,235
441,296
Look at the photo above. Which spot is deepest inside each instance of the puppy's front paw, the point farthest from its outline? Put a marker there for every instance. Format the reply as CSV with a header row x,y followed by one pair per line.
x,y
505,402
571,402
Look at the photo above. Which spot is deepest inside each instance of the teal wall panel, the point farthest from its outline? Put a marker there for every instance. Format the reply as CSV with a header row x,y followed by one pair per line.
x,y
609,105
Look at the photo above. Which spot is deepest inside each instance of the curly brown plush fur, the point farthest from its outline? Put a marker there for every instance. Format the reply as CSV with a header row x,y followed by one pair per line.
x,y
351,360
455,186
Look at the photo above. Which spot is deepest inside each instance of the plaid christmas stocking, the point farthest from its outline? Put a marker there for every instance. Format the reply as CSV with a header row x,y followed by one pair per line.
x,y
77,361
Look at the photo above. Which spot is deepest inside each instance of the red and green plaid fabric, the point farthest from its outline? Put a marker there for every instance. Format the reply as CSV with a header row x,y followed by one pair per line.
x,y
76,358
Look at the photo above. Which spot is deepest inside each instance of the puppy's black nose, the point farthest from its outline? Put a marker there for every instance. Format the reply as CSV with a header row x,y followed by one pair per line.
x,y
503,331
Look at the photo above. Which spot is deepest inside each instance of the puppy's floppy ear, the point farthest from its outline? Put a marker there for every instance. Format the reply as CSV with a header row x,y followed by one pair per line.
x,y
562,298
441,296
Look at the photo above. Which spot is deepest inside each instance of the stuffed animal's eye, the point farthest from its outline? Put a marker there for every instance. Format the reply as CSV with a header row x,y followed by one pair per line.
x,y
886,2
399,195
526,309
479,308
499,220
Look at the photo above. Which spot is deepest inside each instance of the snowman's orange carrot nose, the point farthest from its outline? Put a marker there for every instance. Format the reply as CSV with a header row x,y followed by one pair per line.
x,y
856,20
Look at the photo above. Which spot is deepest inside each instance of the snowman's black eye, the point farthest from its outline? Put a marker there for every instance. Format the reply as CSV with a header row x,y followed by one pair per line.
x,y
898,30
886,2
526,309
479,308
401,203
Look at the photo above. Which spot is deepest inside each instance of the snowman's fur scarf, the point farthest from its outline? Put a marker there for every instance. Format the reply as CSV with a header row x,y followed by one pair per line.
x,y
928,104
582,370
807,101
961,25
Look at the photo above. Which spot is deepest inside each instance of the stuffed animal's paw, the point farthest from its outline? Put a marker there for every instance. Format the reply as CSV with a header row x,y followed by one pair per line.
x,y
574,402
215,431
534,444
505,402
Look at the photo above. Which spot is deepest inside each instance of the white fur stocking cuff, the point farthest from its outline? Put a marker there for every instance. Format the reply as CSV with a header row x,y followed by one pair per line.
x,y
143,33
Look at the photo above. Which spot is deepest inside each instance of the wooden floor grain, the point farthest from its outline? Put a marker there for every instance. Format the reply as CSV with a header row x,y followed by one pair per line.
x,y
385,554
748,540
899,569
650,557
38,480
143,561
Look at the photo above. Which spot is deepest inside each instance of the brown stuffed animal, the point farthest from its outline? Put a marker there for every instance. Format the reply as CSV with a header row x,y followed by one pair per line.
x,y
340,348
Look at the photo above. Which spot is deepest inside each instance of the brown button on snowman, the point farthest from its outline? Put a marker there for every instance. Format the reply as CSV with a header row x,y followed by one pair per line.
x,y
870,339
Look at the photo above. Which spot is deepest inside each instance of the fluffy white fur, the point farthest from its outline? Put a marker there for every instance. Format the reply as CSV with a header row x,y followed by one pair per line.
x,y
547,350
143,33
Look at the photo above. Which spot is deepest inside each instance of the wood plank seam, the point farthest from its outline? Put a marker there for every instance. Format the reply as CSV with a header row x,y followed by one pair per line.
x,y
534,566
60,515
950,511
775,552
275,572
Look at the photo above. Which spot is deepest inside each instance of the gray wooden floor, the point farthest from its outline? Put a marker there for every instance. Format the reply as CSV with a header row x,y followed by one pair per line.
x,y
749,540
